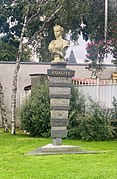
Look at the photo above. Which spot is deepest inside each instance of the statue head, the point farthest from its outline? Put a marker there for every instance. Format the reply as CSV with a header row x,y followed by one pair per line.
x,y
58,31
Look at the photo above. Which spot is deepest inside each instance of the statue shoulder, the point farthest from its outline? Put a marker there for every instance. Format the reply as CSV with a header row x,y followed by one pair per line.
x,y
51,44
66,43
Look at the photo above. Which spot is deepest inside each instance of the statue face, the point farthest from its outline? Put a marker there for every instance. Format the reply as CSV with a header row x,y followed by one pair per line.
x,y
57,32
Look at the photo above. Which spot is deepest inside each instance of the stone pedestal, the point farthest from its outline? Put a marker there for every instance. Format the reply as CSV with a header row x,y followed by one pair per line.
x,y
60,80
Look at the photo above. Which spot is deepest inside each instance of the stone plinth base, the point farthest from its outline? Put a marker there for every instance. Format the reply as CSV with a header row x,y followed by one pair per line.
x,y
60,82
57,141
62,149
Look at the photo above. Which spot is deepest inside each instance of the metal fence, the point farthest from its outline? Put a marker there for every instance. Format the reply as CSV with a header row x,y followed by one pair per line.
x,y
102,91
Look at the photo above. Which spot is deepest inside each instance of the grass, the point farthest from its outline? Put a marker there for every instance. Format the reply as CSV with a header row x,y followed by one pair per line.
x,y
15,165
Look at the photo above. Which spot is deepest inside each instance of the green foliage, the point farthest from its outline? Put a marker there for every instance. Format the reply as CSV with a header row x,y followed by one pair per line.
x,y
86,123
114,109
69,17
77,111
35,114
114,116
7,52
96,125
114,44
96,52
9,41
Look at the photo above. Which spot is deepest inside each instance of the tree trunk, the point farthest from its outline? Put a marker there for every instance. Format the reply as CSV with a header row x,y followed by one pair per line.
x,y
3,109
17,67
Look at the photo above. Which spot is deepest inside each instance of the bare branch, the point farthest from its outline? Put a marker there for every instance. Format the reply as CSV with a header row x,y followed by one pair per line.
x,y
44,24
38,11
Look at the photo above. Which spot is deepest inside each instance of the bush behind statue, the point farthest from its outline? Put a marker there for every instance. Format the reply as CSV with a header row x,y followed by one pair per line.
x,y
76,112
96,125
35,113
88,121
91,124
114,116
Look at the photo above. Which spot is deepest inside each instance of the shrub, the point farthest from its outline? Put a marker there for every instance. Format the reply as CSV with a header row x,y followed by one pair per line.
x,y
114,116
95,125
35,113
114,109
76,112
91,124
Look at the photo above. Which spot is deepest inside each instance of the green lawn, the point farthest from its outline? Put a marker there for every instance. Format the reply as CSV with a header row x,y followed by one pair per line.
x,y
15,165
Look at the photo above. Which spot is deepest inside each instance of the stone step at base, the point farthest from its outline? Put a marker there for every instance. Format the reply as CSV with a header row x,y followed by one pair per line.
x,y
51,149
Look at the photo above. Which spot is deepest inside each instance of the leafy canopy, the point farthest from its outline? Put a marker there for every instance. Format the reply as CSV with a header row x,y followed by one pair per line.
x,y
43,15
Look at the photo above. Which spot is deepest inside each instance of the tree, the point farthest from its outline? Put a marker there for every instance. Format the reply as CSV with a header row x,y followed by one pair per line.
x,y
17,67
96,52
11,18
69,15
3,110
